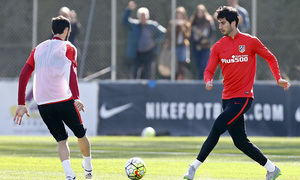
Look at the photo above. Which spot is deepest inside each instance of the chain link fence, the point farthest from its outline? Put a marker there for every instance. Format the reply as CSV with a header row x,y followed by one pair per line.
x,y
277,27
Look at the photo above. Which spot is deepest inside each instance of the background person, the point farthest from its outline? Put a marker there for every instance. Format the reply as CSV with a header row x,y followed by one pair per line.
x,y
75,24
236,54
183,32
244,21
75,27
202,34
144,39
55,90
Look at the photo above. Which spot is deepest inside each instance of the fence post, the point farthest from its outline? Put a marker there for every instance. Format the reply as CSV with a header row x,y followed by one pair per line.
x,y
87,36
254,18
113,39
34,23
173,39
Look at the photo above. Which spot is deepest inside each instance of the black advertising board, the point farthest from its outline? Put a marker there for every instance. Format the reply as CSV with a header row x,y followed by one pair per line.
x,y
187,109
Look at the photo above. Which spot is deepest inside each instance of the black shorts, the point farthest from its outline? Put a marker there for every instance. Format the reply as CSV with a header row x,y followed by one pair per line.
x,y
57,114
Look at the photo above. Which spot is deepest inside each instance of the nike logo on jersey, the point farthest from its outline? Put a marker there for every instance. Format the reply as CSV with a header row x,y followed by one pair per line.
x,y
108,113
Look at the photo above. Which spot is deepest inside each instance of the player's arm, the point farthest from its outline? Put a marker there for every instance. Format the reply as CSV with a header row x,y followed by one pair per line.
x,y
211,68
265,53
23,81
73,84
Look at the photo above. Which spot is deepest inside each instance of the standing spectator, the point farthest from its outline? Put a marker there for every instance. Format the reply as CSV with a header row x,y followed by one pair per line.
x,y
244,22
236,55
75,24
202,33
75,27
145,37
183,32
55,90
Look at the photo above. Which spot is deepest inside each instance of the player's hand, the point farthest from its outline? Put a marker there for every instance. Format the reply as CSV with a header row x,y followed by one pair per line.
x,y
131,5
20,111
79,105
284,83
209,85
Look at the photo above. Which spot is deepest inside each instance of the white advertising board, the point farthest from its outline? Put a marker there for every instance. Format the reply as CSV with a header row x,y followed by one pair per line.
x,y
34,125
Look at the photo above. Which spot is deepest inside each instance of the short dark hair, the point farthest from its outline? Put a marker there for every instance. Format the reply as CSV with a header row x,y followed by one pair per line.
x,y
229,13
59,24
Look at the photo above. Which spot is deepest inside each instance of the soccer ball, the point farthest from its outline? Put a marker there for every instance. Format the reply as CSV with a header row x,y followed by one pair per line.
x,y
148,132
135,168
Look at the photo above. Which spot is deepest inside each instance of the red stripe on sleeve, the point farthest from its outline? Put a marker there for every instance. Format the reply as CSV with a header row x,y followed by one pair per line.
x,y
71,54
74,82
30,60
23,80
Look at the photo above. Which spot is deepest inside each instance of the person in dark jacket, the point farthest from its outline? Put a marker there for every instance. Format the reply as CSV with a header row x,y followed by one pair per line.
x,y
144,39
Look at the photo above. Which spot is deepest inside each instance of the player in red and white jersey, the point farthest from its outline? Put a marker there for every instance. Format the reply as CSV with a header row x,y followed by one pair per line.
x,y
56,92
236,55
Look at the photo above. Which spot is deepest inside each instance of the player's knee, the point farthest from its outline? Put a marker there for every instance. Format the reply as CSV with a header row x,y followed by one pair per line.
x,y
80,133
241,144
219,129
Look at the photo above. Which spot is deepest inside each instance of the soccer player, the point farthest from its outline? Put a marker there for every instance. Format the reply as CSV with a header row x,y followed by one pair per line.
x,y
235,52
55,90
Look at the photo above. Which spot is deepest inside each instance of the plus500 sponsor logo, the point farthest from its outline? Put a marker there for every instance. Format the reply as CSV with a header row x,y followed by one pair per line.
x,y
236,59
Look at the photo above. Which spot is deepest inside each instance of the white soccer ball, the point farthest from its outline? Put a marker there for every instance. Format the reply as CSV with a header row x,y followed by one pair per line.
x,y
135,168
148,132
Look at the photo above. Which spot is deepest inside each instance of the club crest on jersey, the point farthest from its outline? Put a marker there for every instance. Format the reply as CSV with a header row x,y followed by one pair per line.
x,y
242,48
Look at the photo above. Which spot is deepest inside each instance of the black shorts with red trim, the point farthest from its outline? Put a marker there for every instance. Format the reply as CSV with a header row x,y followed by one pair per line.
x,y
57,115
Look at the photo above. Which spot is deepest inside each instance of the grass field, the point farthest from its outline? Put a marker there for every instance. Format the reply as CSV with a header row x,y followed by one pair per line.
x,y
166,158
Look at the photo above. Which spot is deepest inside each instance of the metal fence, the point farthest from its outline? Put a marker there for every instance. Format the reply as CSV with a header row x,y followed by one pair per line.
x,y
277,26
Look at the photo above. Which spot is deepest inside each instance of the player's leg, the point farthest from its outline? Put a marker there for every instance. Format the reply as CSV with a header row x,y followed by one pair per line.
x,y
64,156
72,118
218,128
50,115
85,148
63,150
233,108
238,133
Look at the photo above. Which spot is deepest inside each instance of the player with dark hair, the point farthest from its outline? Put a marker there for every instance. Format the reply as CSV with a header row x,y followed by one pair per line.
x,y
55,90
236,54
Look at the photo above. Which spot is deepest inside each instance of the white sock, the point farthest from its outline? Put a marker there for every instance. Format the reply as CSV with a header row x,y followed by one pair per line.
x,y
269,166
87,162
68,169
196,164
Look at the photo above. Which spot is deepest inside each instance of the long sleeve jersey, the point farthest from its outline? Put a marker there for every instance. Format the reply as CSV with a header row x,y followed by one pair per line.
x,y
238,63
55,78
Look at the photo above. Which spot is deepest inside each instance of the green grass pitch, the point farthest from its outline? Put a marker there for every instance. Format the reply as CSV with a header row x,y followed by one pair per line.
x,y
166,158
